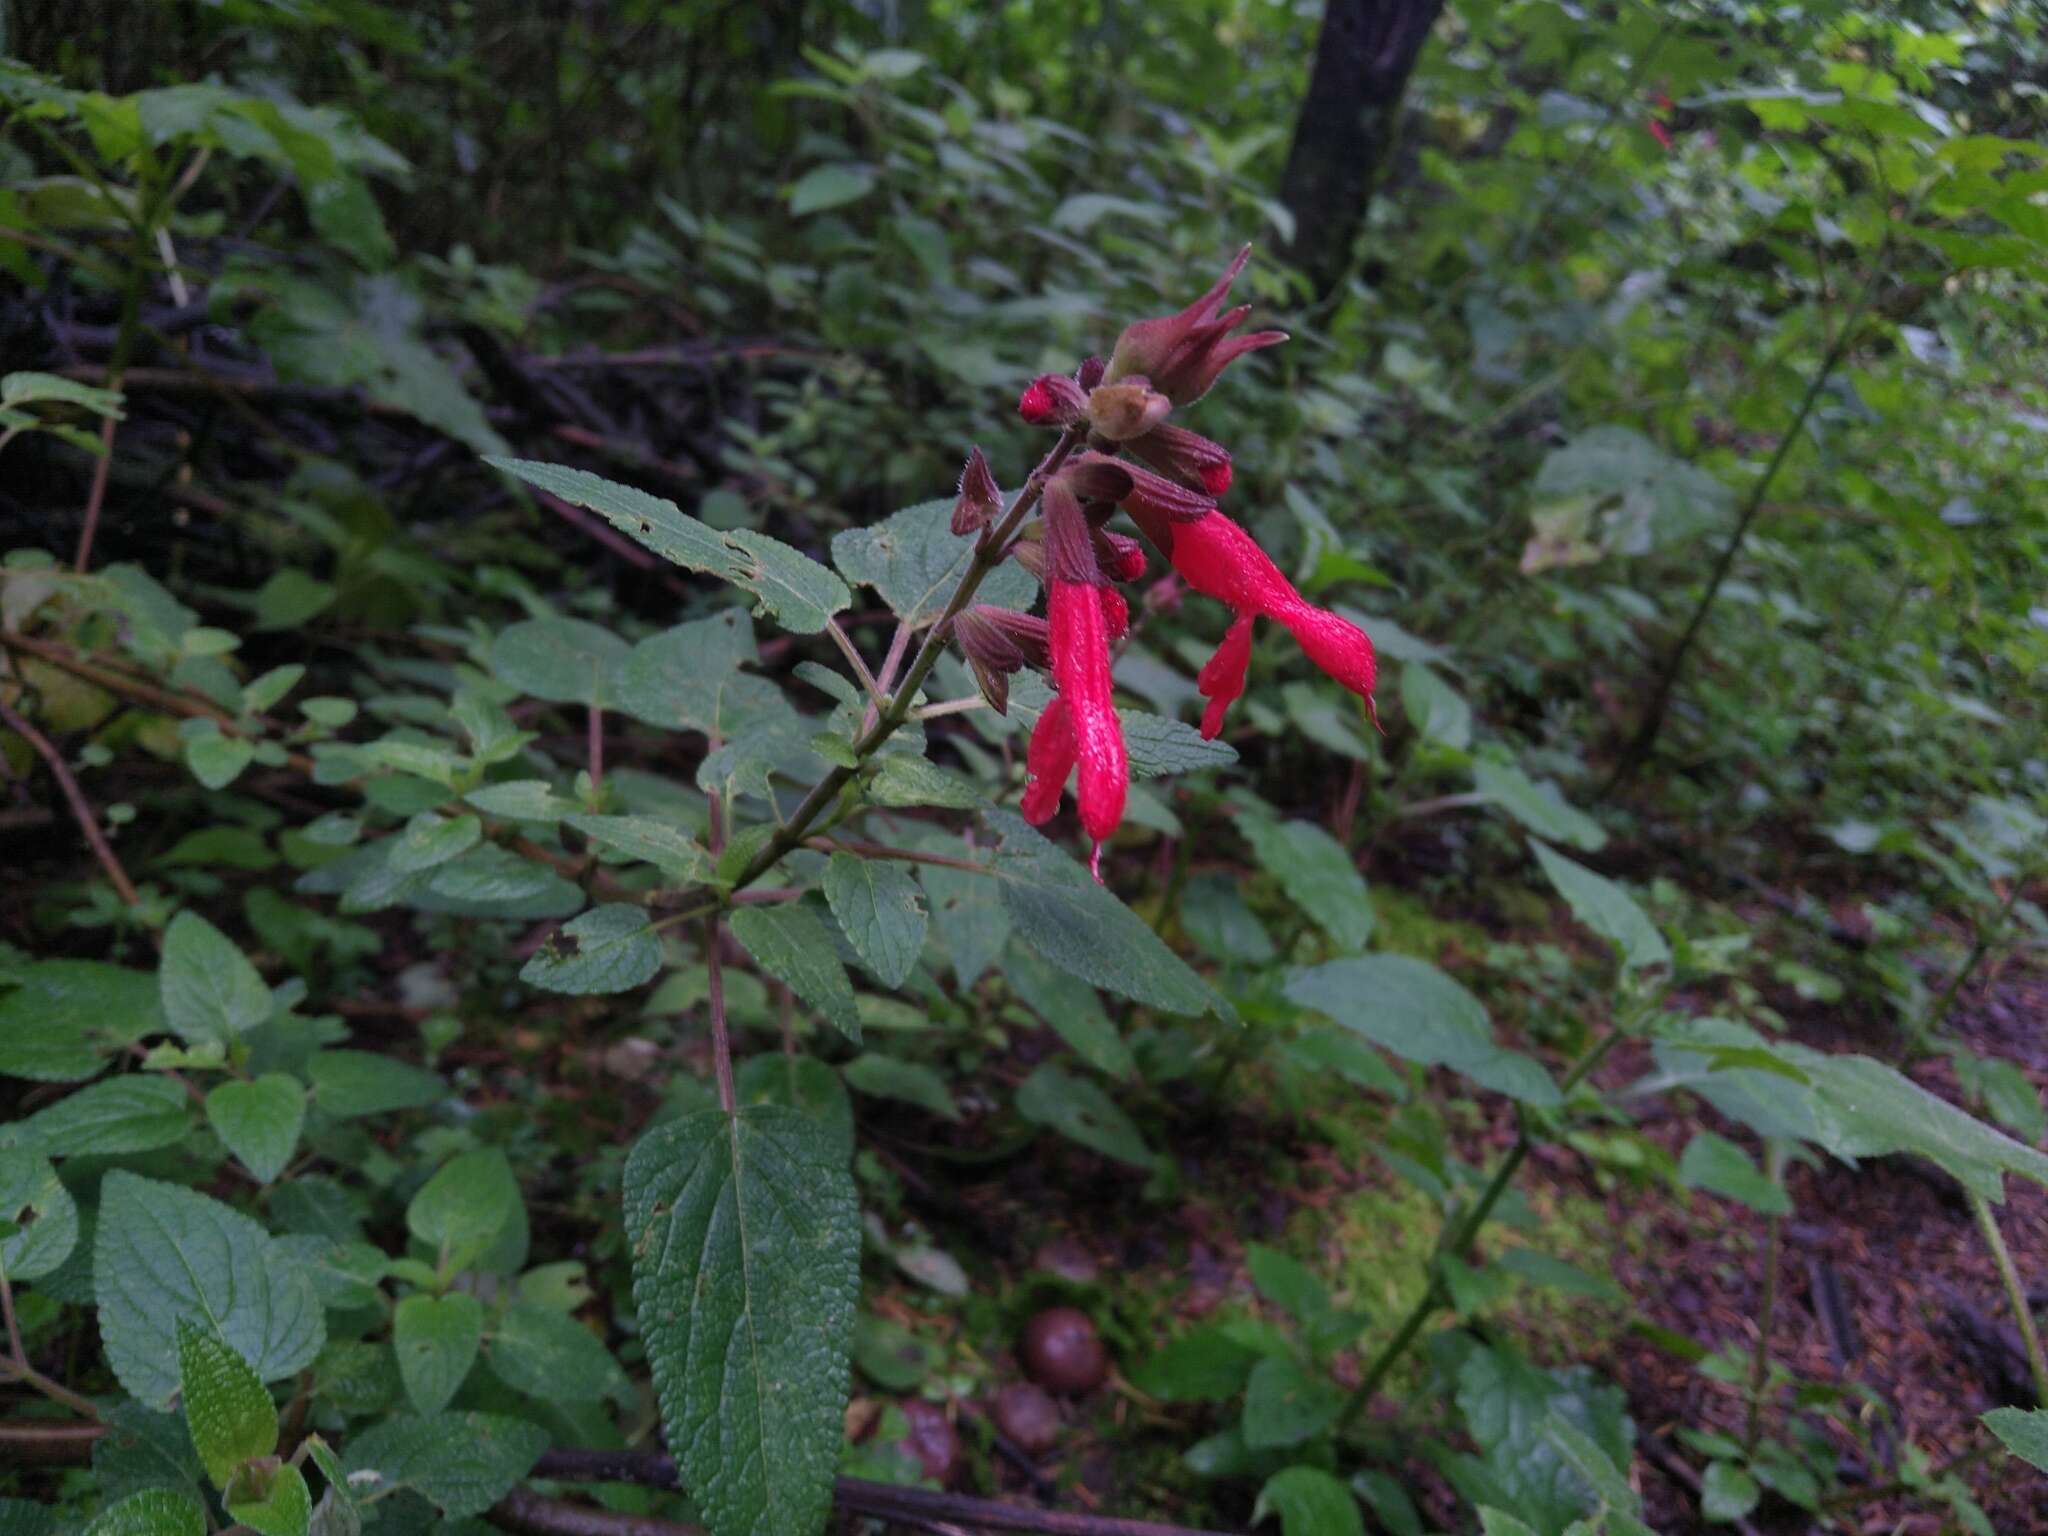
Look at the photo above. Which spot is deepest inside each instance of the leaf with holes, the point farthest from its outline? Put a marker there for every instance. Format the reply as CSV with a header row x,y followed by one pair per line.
x,y
611,948
38,1215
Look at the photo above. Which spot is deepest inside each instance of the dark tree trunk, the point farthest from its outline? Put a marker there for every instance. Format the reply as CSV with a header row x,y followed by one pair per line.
x,y
1364,55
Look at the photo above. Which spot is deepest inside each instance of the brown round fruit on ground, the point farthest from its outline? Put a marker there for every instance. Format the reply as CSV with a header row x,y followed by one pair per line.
x,y
932,1439
1027,1417
1062,1352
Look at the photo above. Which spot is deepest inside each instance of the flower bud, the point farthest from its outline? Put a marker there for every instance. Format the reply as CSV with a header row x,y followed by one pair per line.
x,y
1052,400
1156,496
1181,355
1069,550
1187,456
1122,558
1119,412
980,497
997,642
1090,373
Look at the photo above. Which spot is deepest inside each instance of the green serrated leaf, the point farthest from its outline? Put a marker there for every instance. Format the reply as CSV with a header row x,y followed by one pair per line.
x,y
436,1339
1081,928
227,1410
209,990
1411,1008
745,1236
877,905
272,1501
790,944
612,948
118,1115
430,840
914,560
1716,1164
2024,1432
1069,1007
152,1512
671,849
1082,1112
1605,908
65,1017
259,1122
1286,1403
463,1207
1727,1492
1540,807
547,1355
1318,875
41,1213
462,1462
566,661
889,1077
348,1083
796,589
216,758
162,1254
1309,1502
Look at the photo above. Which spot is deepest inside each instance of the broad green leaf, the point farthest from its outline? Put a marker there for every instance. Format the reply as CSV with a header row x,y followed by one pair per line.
x,y
464,1206
162,1253
790,944
1547,1269
41,1212
429,840
612,948
889,1077
523,800
1509,1406
547,1355
152,1512
829,186
1069,1007
209,990
1411,1008
1286,1403
801,1083
1717,1165
259,1121
903,781
1082,1112
671,849
1727,1493
31,388
1437,711
108,1118
215,758
2024,1431
462,1462
1080,927
436,1340
801,593
914,560
1867,1109
1540,807
1600,1463
350,1083
1309,1502
1215,916
1605,908
745,1236
969,916
228,1411
1498,1522
1317,874
1207,1364
272,1501
143,1448
67,1016
566,661
689,678
877,907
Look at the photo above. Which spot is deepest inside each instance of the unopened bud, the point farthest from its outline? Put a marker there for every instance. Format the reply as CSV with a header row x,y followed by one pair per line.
x,y
1123,558
1052,400
1156,496
980,497
1120,412
1069,552
1090,373
1116,613
997,642
1187,456
1029,551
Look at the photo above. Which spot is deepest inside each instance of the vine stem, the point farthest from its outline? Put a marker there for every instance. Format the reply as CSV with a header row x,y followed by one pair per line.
x,y
81,808
1461,1236
988,554
1760,1358
2015,1293
1660,699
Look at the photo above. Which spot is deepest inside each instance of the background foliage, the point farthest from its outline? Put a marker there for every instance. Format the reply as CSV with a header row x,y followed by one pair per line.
x,y
436,438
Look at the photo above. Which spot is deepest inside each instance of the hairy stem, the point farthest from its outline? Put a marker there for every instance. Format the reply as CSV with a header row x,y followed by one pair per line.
x,y
2015,1294
988,554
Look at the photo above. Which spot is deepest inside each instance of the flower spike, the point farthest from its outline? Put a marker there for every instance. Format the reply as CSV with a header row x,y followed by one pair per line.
x,y
1181,355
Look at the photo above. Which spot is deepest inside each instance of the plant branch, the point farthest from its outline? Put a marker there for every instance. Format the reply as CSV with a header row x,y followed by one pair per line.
x,y
20,1369
853,659
2015,1294
81,808
1645,737
988,554
1460,1237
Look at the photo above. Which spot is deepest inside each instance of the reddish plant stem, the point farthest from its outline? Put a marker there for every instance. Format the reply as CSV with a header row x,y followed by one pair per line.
x,y
97,496
81,808
596,731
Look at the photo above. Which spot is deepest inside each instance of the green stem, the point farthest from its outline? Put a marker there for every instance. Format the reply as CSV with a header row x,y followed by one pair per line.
x,y
1461,1235
2015,1293
1760,1357
1653,716
988,554
1986,937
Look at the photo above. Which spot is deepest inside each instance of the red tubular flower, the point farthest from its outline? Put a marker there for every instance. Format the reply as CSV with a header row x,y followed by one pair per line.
x,y
1219,559
1052,400
1049,759
1080,727
1181,355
